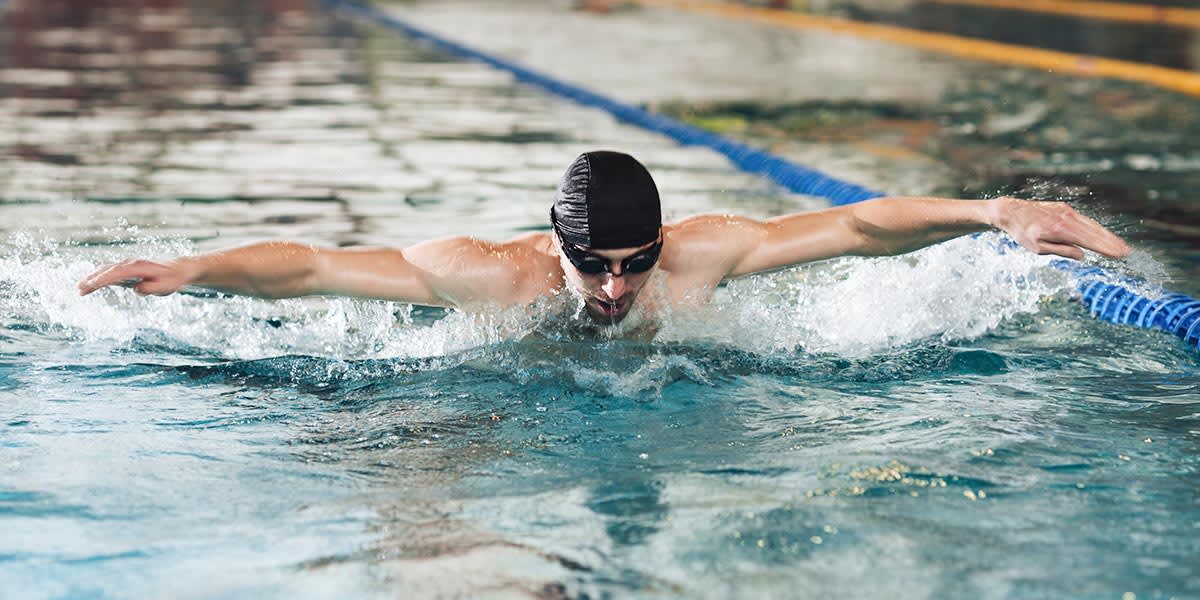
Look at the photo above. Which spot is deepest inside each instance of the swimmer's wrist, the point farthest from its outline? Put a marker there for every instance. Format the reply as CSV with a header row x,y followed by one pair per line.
x,y
189,269
995,212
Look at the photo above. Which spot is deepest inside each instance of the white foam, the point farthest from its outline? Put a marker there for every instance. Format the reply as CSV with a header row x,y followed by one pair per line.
x,y
956,290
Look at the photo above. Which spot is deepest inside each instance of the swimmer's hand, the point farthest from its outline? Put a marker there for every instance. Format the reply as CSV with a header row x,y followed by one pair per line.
x,y
145,277
1054,228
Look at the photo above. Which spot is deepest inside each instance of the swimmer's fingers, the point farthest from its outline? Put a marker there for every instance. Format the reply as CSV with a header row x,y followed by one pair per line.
x,y
1056,228
101,278
1085,232
1066,250
144,276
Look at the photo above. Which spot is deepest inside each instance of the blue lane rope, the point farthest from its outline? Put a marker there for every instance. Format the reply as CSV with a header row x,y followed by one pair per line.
x,y
1106,295
794,177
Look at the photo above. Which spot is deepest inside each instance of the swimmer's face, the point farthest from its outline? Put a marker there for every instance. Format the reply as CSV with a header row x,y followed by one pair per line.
x,y
609,295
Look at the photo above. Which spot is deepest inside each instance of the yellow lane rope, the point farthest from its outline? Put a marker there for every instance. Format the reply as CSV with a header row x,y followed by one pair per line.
x,y
1061,62
1109,11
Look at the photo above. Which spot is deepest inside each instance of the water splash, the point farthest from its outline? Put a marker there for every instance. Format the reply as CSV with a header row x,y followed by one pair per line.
x,y
1139,272
855,307
850,307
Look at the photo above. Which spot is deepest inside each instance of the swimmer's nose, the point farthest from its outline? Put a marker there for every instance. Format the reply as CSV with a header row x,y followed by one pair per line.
x,y
614,287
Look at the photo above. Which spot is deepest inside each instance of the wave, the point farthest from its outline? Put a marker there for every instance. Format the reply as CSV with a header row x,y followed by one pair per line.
x,y
954,291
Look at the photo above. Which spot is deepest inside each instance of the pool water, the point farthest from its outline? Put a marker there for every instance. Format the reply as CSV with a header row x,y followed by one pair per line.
x,y
944,424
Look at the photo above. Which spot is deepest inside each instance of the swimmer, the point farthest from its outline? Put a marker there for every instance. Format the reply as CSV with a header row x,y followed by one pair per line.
x,y
607,240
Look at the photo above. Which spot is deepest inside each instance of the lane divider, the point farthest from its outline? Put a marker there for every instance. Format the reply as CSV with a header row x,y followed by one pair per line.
x,y
1087,9
1185,82
1107,296
1107,300
791,176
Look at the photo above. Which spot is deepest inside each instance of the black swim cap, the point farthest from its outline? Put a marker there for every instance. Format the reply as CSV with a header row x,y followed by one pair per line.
x,y
606,200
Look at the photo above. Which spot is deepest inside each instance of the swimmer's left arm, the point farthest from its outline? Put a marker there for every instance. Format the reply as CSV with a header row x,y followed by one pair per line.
x,y
890,226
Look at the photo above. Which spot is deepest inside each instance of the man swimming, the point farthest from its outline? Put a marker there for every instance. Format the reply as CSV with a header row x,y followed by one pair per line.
x,y
607,240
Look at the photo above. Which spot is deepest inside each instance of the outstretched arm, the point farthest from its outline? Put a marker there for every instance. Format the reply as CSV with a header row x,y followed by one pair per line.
x,y
447,272
890,226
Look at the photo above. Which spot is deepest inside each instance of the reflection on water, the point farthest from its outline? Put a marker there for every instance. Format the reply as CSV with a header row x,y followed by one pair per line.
x,y
118,102
888,117
1125,150
946,423
1153,43
246,120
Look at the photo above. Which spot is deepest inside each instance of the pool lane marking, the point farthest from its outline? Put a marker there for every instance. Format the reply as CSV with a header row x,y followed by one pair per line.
x,y
787,174
1088,9
1178,80
1090,281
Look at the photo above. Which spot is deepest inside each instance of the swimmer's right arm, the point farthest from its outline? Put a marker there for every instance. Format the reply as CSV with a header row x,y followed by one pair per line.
x,y
271,270
435,273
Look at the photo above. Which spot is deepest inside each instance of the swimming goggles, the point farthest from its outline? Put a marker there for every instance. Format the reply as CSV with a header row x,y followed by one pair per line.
x,y
591,264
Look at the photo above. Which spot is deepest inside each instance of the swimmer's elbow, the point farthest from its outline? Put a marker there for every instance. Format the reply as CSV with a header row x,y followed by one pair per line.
x,y
297,285
876,229
301,275
324,274
858,236
376,273
278,292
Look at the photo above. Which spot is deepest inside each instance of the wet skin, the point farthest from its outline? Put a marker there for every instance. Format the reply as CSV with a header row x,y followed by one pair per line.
x,y
697,254
608,297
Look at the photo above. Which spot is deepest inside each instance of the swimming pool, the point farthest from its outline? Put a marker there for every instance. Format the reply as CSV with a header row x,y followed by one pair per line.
x,y
943,424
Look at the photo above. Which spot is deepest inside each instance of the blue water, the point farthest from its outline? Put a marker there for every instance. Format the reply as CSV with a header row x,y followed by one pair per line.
x,y
944,424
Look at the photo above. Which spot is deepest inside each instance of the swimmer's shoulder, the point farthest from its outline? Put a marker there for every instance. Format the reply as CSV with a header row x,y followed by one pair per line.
x,y
534,248
523,248
534,264
531,252
538,240
707,224
704,234
700,251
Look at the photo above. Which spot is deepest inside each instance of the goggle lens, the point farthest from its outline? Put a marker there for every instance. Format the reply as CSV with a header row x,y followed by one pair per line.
x,y
590,264
640,263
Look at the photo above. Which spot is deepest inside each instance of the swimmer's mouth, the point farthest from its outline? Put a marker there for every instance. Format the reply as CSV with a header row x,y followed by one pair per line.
x,y
610,308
